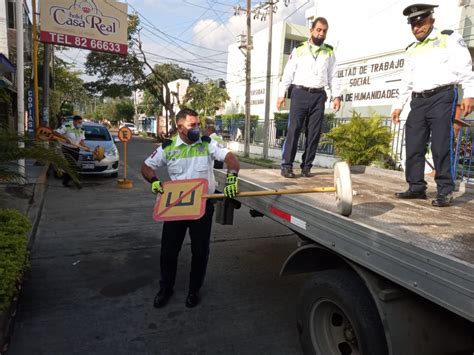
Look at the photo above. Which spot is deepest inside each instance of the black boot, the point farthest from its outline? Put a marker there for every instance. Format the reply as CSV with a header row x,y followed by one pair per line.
x,y
288,173
192,300
442,200
162,298
411,195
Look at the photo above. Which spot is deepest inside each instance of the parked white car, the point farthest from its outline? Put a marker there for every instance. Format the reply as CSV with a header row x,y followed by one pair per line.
x,y
99,135
130,125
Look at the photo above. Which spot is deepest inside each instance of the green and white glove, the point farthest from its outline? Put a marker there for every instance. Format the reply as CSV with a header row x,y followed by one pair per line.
x,y
156,187
231,185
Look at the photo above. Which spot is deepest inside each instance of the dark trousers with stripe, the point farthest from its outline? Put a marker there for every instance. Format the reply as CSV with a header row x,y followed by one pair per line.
x,y
433,115
72,156
306,109
171,241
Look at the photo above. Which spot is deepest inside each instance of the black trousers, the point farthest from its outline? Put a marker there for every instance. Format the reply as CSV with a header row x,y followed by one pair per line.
x,y
431,116
72,156
171,241
306,109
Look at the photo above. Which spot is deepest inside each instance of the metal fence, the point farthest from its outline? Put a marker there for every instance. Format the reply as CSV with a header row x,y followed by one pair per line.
x,y
463,159
463,164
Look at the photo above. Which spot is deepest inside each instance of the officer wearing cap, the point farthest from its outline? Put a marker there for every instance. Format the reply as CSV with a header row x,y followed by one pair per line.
x,y
310,69
188,156
435,65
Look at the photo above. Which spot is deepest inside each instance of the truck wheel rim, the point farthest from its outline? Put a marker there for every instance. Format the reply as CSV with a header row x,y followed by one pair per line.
x,y
331,330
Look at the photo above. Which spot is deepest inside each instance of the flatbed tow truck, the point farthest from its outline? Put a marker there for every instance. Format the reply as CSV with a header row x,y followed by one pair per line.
x,y
395,277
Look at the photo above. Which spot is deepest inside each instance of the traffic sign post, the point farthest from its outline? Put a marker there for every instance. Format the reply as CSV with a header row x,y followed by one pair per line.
x,y
125,134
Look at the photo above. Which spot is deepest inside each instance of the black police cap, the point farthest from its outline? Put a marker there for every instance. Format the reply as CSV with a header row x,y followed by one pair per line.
x,y
418,12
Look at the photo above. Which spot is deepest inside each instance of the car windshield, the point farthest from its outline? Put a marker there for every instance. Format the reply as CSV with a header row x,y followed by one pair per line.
x,y
96,133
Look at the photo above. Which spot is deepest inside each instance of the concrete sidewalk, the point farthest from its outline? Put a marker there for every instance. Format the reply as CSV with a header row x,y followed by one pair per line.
x,y
27,198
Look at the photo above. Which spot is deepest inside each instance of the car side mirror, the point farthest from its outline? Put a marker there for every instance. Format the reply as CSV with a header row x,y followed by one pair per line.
x,y
116,139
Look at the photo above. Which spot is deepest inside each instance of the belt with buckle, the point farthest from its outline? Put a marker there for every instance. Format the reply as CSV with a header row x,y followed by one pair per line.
x,y
310,90
428,93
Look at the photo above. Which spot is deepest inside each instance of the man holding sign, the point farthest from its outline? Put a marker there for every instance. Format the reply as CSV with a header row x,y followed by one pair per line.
x,y
188,156
73,137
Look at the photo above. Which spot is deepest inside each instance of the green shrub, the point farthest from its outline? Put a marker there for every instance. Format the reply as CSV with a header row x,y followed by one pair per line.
x,y
13,250
361,141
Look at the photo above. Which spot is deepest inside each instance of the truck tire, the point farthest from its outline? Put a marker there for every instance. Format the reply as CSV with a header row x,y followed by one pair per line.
x,y
337,316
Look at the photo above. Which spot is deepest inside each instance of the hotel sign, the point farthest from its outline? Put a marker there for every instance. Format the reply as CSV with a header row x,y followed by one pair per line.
x,y
98,25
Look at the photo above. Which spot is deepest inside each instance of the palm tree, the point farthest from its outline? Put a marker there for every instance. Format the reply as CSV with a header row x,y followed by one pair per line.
x,y
11,152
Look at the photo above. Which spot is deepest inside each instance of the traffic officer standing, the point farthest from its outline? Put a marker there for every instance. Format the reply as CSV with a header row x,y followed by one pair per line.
x,y
434,66
310,68
188,156
73,135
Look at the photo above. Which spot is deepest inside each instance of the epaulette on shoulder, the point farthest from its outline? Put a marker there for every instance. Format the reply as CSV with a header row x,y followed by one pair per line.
x,y
166,143
411,44
329,46
206,139
301,44
447,32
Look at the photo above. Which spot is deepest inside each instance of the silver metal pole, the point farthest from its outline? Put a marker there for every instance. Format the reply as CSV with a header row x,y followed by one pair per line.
x,y
20,77
266,124
247,80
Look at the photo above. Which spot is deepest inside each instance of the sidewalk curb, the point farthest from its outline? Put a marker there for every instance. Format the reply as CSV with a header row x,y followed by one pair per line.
x,y
33,212
36,204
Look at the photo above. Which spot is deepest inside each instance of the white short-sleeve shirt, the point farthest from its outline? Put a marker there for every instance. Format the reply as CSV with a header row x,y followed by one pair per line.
x,y
188,161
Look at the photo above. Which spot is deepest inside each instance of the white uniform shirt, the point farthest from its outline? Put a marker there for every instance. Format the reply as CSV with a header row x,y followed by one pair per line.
x,y
439,60
188,161
311,66
75,135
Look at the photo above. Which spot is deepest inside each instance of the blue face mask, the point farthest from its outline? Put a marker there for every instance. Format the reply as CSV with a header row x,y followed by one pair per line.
x,y
78,125
194,134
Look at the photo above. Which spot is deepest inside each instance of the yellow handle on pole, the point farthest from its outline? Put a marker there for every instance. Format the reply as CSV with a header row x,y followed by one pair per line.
x,y
274,192
125,160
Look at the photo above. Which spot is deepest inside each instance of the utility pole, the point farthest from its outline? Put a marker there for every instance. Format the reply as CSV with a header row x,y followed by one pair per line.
x,y
20,78
46,71
266,124
248,71
262,10
35,64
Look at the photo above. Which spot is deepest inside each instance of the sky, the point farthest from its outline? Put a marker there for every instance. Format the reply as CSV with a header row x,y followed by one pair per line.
x,y
194,33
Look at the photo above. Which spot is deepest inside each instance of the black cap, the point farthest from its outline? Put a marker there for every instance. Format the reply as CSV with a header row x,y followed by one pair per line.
x,y
418,12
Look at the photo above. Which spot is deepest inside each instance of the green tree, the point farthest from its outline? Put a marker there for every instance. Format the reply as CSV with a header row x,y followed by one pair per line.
x,y
150,105
12,152
205,98
134,70
124,110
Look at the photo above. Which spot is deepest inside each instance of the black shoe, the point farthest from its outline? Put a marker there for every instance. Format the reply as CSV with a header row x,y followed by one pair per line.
x,y
442,200
162,298
288,173
411,195
306,172
192,300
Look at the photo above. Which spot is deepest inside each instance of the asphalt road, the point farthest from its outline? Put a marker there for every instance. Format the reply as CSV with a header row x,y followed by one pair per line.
x,y
95,271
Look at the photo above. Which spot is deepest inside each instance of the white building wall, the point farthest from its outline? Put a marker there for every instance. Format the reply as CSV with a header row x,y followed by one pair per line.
x,y
236,69
3,29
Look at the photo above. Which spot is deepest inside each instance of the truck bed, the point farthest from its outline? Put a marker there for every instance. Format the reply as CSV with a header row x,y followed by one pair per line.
x,y
426,249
